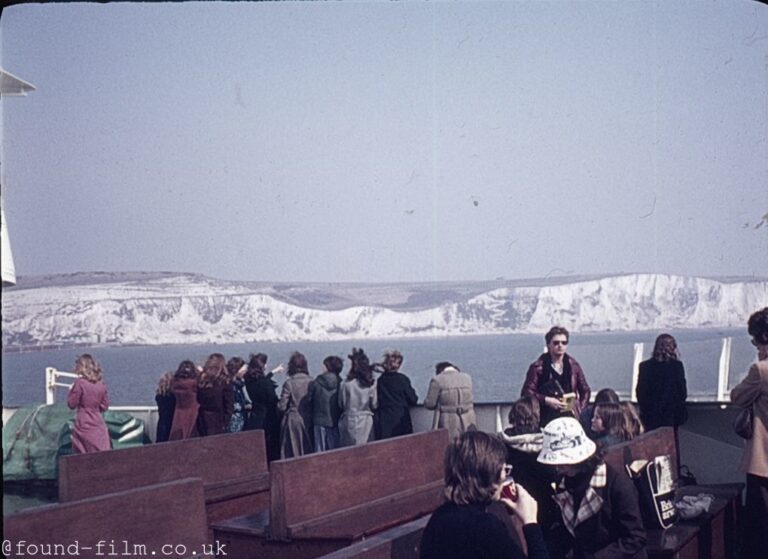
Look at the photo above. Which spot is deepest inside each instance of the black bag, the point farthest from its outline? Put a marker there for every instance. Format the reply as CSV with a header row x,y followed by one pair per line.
x,y
743,423
656,491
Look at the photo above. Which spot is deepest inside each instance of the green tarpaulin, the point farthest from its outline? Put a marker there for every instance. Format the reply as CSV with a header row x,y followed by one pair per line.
x,y
35,436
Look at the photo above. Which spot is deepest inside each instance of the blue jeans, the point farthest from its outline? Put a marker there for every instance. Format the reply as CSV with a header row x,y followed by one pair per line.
x,y
326,438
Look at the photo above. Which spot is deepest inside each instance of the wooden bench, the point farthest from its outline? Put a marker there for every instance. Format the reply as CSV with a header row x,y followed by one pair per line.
x,y
161,520
233,468
323,502
709,536
400,542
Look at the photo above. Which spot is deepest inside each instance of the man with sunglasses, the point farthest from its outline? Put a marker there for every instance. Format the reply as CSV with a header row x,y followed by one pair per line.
x,y
553,376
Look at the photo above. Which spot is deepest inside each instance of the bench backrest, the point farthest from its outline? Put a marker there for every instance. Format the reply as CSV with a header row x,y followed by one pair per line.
x,y
647,446
316,485
213,459
166,514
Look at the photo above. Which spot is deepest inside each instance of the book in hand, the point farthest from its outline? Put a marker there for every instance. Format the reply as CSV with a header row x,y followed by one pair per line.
x,y
568,399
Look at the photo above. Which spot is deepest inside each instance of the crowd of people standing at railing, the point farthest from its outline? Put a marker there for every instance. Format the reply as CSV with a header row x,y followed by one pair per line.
x,y
310,415
554,441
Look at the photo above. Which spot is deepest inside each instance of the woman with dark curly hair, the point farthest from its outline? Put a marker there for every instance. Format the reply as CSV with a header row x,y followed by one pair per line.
x,y
184,389
357,399
89,397
661,387
753,391
261,393
463,528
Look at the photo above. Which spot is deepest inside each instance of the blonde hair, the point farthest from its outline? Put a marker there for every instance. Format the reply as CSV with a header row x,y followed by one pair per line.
x,y
88,368
164,385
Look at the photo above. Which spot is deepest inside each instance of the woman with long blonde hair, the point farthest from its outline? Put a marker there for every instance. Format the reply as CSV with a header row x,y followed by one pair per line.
x,y
89,397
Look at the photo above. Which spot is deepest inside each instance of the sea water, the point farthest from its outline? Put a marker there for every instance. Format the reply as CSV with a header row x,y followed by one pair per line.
x,y
497,363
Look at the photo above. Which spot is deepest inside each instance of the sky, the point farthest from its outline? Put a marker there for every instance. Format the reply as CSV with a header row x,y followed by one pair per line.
x,y
388,142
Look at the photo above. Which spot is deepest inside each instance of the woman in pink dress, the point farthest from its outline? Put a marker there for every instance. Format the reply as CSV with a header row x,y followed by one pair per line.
x,y
89,397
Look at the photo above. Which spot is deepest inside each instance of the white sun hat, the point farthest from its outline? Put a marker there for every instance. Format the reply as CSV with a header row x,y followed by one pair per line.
x,y
565,443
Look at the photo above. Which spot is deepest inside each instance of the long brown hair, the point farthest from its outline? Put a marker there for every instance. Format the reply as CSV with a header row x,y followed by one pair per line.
x,y
473,468
88,368
612,415
214,371
665,348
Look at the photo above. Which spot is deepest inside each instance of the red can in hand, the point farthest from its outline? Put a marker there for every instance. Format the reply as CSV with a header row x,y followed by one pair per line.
x,y
509,491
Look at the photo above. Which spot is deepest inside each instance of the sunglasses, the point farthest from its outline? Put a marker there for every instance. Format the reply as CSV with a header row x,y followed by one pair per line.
x,y
559,342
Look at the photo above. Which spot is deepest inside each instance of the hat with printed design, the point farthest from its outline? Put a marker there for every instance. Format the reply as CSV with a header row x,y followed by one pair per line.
x,y
565,443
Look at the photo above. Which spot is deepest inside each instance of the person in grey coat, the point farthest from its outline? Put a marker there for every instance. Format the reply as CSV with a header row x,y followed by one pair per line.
x,y
324,394
357,399
450,395
296,427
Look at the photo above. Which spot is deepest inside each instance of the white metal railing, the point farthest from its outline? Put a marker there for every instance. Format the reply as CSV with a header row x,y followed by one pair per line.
x,y
636,370
52,375
51,382
723,374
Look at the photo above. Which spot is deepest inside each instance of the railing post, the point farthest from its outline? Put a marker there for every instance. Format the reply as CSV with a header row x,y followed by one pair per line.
x,y
50,385
724,372
636,370
51,378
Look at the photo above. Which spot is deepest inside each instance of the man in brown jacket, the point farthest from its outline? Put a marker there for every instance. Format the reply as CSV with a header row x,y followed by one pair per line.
x,y
753,391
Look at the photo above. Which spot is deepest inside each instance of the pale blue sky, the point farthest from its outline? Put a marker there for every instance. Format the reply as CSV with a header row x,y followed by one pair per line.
x,y
381,141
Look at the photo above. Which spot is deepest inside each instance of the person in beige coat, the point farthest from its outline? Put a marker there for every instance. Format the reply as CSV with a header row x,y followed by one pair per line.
x,y
753,391
450,395
296,428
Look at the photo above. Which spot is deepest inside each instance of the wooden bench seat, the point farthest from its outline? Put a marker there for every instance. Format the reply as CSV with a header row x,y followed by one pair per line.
x,y
708,536
139,522
233,468
372,517
680,541
322,502
400,542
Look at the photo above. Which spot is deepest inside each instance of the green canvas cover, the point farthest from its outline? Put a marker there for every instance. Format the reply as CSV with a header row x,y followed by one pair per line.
x,y
35,436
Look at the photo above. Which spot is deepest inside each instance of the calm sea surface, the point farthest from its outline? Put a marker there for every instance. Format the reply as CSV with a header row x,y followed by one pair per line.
x,y
496,363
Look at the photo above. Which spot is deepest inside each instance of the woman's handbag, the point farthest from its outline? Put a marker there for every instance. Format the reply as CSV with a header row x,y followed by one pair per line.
x,y
656,491
743,423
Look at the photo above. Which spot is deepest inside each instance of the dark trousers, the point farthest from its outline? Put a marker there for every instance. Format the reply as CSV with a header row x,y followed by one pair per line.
x,y
756,518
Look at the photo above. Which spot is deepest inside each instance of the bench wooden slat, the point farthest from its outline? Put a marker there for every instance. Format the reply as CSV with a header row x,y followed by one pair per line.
x,y
169,513
216,459
310,487
375,516
256,524
227,489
